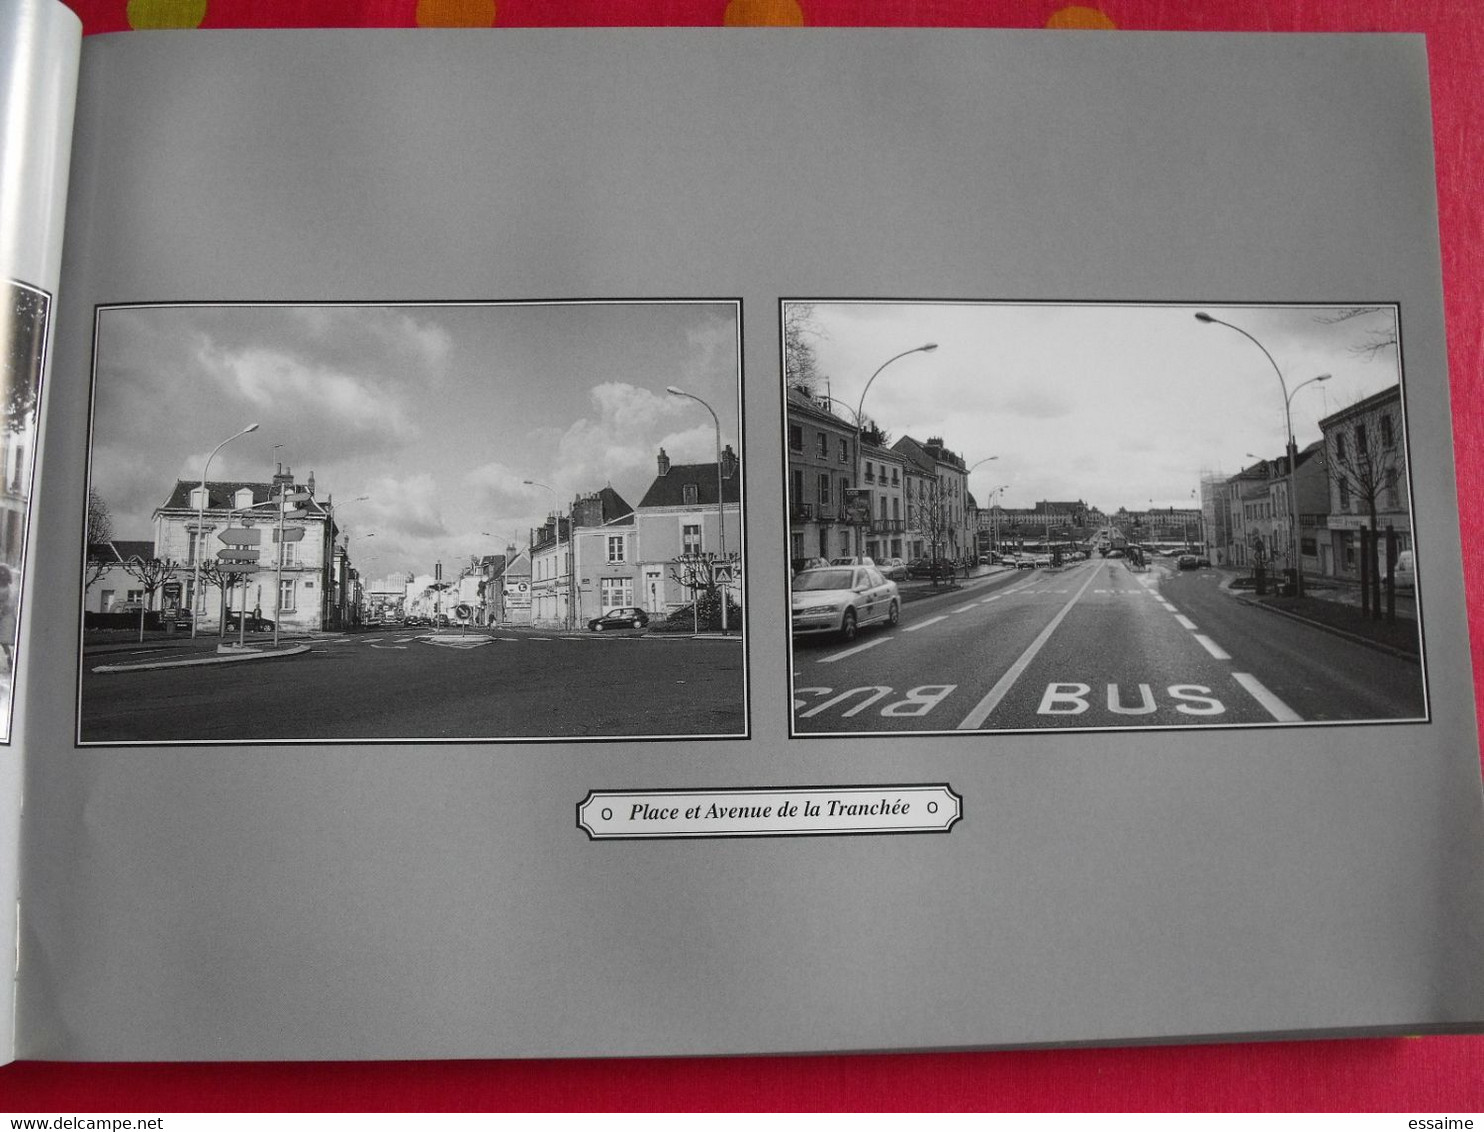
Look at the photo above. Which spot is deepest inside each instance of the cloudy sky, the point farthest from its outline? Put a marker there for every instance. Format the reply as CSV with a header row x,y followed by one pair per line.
x,y
1115,405
435,414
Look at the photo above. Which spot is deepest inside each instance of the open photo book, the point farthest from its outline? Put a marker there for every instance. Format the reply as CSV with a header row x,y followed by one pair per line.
x,y
666,542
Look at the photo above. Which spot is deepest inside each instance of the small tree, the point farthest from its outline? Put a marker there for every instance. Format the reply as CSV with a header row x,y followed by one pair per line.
x,y
697,575
151,574
21,356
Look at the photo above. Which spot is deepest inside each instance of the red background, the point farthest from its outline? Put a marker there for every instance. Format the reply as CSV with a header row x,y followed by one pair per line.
x,y
1411,1075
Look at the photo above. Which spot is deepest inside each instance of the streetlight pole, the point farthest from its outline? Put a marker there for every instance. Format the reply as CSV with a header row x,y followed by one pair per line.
x,y
561,559
1291,446
860,408
972,466
201,522
721,518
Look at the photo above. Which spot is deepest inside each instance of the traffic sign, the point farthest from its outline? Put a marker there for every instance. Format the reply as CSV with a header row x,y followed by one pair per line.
x,y
290,534
237,554
241,536
239,568
297,514
298,496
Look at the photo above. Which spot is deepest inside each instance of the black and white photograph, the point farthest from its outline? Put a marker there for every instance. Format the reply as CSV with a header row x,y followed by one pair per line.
x,y
23,331
340,522
1012,517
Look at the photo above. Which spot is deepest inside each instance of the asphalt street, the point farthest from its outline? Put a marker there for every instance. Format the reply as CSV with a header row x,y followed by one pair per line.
x,y
411,684
1094,645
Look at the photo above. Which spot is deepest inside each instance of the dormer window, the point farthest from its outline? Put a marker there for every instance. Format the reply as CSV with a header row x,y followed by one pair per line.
x,y
690,494
199,500
243,498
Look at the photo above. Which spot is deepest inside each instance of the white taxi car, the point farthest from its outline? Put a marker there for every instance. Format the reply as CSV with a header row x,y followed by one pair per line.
x,y
843,599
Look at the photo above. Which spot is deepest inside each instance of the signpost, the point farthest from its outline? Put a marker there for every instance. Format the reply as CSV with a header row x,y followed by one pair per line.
x,y
240,558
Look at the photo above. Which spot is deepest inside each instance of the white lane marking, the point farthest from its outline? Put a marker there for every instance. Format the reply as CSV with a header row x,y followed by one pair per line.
x,y
993,597
925,624
852,651
402,647
1007,681
1212,647
966,608
1275,707
1183,621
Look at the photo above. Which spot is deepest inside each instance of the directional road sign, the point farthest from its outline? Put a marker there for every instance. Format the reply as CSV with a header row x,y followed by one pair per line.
x,y
241,536
238,554
291,534
239,568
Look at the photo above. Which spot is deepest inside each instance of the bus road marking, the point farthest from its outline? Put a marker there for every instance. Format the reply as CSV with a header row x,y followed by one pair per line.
x,y
1275,707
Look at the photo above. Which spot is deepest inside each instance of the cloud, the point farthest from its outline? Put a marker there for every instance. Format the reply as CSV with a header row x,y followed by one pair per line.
x,y
1036,404
409,508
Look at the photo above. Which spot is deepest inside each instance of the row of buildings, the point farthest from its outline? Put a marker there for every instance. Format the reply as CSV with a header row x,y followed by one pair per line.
x,y
684,538
852,494
1353,476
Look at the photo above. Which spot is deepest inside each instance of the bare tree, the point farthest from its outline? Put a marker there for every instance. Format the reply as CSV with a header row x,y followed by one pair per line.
x,y
700,576
151,574
1377,340
1362,465
800,331
929,513
100,518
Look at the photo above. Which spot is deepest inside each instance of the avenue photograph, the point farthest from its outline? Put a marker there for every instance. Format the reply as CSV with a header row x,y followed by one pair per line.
x,y
23,321
463,522
1015,517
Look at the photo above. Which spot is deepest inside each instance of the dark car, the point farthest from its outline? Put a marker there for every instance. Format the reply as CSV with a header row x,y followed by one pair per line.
x,y
930,568
254,624
807,564
624,617
1187,562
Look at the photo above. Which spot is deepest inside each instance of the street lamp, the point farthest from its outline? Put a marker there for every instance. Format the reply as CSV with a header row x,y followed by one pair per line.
x,y
721,519
201,522
1292,445
560,557
860,408
972,466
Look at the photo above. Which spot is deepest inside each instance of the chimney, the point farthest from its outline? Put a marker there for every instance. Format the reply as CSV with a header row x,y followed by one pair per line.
x,y
283,477
728,463
664,463
310,485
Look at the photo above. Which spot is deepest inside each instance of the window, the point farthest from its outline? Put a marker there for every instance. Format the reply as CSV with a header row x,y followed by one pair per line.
x,y
1360,448
870,472
192,538
1392,490
105,600
844,451
690,539
1340,446
290,553
893,475
798,478
824,489
881,510
896,507
1344,495
1388,439
616,551
821,444
286,596
795,438
689,494
616,592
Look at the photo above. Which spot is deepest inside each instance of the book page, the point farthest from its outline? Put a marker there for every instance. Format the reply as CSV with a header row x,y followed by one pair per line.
x,y
39,43
677,542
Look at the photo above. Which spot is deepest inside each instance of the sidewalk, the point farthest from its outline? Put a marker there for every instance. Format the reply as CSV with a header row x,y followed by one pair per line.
x,y
1334,605
915,589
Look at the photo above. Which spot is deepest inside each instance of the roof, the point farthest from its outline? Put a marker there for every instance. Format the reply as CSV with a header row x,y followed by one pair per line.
x,y
133,548
801,405
917,452
221,495
1375,401
669,490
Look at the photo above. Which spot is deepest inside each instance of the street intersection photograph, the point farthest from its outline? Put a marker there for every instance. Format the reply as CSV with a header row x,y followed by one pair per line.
x,y
1016,517
514,521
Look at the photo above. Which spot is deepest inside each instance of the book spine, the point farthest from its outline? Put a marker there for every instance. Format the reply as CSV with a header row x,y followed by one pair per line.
x,y
40,43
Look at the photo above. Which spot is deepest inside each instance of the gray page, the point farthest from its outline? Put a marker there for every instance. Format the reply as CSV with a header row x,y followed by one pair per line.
x,y
350,900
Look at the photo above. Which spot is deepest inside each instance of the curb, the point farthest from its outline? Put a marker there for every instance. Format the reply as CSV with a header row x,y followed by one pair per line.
x,y
200,660
1356,638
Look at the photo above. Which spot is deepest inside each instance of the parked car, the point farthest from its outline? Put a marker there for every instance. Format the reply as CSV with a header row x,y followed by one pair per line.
x,y
893,568
808,564
624,617
930,568
1187,562
857,561
843,599
1404,577
254,624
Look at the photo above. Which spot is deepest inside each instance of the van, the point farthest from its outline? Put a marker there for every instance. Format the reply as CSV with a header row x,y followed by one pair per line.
x,y
1405,575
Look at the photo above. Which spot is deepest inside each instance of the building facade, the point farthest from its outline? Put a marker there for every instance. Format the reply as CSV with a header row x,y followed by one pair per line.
x,y
1366,460
684,540
821,469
